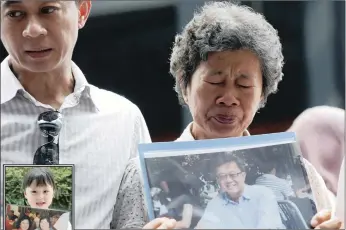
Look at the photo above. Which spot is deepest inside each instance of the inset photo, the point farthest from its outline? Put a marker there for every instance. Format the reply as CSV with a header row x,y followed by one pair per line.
x,y
37,190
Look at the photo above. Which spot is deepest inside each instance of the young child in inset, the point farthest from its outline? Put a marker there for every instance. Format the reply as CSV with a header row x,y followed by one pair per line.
x,y
39,187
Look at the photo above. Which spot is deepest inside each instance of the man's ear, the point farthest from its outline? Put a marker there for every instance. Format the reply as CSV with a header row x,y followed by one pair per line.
x,y
84,8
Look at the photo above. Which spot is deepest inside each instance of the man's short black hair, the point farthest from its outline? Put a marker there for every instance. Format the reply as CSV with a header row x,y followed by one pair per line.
x,y
228,157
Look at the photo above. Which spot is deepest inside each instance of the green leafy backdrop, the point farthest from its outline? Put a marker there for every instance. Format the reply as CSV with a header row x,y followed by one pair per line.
x,y
63,180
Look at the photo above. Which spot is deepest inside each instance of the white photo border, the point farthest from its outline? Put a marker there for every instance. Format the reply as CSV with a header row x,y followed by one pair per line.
x,y
4,166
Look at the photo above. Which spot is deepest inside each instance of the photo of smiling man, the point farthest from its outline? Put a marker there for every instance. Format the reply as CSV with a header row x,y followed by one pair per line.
x,y
238,205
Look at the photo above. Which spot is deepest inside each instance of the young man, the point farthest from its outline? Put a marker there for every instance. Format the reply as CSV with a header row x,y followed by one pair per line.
x,y
50,114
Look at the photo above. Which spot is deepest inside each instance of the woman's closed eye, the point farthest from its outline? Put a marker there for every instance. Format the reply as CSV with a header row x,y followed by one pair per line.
x,y
244,86
216,83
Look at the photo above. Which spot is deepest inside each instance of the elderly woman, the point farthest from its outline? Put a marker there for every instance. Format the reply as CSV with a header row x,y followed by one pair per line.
x,y
226,62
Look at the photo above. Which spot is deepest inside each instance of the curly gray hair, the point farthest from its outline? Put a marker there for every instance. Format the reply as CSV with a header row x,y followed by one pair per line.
x,y
221,26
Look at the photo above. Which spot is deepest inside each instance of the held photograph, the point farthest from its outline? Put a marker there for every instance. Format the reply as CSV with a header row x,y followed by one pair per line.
x,y
27,218
229,183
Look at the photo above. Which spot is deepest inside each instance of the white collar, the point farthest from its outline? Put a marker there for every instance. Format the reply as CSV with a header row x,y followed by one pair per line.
x,y
10,85
187,135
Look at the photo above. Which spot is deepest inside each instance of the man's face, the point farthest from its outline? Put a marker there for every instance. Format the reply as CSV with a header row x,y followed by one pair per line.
x,y
231,180
40,35
39,196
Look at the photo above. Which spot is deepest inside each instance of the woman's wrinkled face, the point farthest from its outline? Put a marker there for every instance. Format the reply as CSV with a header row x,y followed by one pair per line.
x,y
224,94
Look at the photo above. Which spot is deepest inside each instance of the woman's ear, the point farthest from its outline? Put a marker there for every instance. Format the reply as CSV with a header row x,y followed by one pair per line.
x,y
185,92
185,98
261,103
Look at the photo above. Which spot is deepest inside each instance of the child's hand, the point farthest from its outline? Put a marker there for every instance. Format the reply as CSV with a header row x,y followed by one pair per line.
x,y
161,223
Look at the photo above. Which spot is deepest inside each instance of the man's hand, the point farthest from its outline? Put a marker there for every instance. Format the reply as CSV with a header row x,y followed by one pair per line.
x,y
161,223
324,220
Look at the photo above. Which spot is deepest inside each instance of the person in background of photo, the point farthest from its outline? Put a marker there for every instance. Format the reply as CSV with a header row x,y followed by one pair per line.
x,y
39,187
268,178
320,133
23,223
45,224
12,216
176,195
238,205
54,219
37,219
159,206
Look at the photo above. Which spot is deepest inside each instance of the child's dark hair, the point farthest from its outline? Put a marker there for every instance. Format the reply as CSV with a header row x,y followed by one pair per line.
x,y
43,177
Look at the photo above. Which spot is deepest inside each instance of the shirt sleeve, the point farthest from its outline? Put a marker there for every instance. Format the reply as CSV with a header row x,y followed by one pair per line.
x,y
268,211
130,208
140,134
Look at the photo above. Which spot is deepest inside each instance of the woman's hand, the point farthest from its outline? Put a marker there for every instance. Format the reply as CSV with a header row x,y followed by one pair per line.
x,y
324,220
161,223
